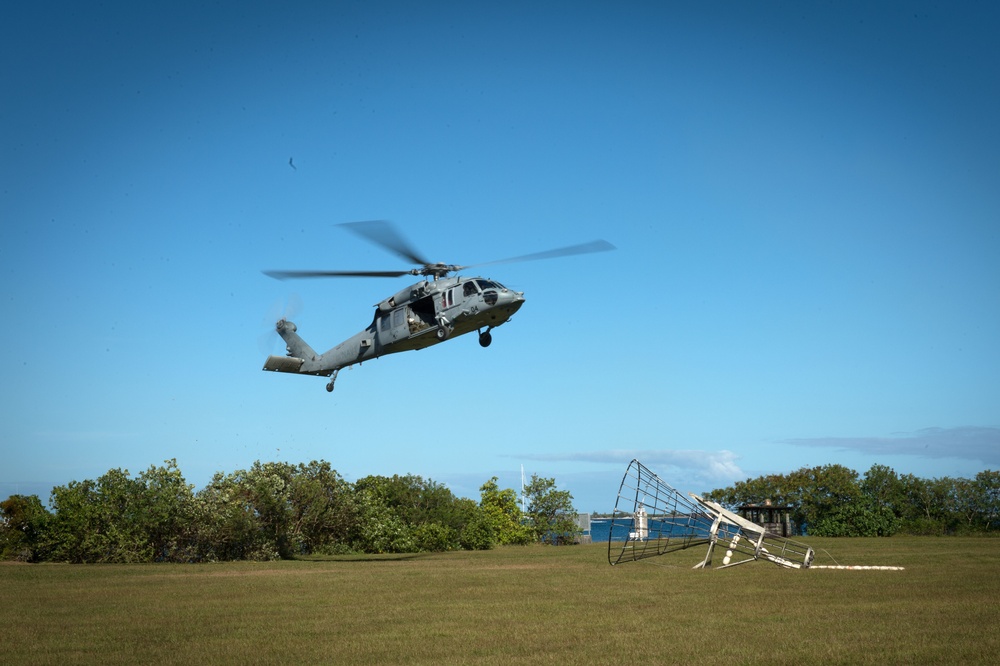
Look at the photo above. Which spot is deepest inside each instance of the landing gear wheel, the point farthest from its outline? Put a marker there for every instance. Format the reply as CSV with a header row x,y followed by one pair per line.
x,y
333,378
443,332
485,339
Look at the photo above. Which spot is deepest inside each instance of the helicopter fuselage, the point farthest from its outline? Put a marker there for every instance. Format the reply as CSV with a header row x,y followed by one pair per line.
x,y
424,314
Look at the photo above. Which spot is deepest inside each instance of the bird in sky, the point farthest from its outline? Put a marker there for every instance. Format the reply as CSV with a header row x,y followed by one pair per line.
x,y
292,164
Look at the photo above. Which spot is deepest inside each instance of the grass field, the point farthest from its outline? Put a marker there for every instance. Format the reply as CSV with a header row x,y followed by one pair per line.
x,y
515,605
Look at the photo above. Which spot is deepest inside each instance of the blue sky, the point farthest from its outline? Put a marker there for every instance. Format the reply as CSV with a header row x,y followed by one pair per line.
x,y
803,196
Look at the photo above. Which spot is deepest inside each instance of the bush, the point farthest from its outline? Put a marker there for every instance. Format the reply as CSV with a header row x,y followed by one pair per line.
x,y
23,524
479,533
923,527
269,511
434,537
856,519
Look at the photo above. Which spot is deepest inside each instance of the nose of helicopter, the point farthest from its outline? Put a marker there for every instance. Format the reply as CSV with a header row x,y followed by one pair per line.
x,y
511,300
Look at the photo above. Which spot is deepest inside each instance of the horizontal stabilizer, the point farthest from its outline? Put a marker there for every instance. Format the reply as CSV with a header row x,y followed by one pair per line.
x,y
283,364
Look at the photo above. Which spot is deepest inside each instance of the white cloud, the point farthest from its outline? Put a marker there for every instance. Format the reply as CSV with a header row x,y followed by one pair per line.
x,y
697,466
969,443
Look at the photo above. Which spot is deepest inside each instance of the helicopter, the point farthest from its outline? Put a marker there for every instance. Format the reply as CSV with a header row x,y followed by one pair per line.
x,y
438,308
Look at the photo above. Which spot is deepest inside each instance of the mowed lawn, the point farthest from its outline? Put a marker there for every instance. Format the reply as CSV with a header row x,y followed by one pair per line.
x,y
515,605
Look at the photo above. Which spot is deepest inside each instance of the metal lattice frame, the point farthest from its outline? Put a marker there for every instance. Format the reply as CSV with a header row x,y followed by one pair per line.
x,y
658,520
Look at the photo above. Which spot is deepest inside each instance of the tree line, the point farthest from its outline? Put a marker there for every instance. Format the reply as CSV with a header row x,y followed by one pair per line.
x,y
272,510
833,500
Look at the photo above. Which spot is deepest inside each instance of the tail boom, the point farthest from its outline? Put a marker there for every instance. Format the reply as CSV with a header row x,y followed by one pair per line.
x,y
301,358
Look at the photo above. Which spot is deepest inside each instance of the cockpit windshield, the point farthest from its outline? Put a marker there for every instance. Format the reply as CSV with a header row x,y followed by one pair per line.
x,y
490,291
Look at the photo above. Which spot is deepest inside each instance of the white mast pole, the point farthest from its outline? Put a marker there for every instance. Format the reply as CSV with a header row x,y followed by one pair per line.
x,y
523,509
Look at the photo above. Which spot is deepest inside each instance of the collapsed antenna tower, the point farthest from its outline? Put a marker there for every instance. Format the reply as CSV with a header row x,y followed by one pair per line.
x,y
658,519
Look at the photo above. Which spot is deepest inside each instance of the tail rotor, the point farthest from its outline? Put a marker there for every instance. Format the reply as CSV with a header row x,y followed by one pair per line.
x,y
279,312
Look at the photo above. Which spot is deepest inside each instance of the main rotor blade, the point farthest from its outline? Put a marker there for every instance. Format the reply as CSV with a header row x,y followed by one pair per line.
x,y
583,248
286,275
384,233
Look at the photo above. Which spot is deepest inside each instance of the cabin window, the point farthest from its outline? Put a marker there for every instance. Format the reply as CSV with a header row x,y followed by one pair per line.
x,y
397,317
385,323
470,289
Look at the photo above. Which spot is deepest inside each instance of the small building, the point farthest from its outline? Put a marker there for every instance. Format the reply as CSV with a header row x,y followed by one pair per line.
x,y
775,519
583,525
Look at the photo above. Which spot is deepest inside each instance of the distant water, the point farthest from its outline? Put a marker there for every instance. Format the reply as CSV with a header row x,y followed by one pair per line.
x,y
601,529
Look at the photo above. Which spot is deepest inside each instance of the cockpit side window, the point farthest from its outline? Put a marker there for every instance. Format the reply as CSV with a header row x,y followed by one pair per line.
x,y
469,289
486,284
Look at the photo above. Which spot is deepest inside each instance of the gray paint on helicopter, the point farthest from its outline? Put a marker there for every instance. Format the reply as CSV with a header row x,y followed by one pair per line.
x,y
424,314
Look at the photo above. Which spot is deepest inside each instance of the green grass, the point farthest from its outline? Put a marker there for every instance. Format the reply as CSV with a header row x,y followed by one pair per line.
x,y
515,605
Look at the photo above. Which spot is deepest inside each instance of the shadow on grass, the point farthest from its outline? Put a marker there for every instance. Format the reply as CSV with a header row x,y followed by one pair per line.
x,y
363,557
